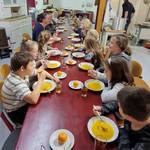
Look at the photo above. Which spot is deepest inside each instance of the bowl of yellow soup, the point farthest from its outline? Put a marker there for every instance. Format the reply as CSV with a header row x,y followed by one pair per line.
x,y
86,66
103,129
94,85
53,64
46,87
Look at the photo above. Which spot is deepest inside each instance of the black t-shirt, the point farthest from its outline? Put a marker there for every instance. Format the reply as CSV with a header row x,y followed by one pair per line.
x,y
127,6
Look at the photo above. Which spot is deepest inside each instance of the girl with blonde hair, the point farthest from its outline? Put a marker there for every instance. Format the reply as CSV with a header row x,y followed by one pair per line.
x,y
92,47
44,40
92,33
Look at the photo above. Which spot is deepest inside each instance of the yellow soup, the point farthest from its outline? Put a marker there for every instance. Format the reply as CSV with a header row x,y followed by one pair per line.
x,y
96,86
52,65
46,86
102,130
86,67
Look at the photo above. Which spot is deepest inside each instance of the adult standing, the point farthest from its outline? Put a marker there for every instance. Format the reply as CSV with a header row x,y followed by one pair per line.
x,y
128,11
42,21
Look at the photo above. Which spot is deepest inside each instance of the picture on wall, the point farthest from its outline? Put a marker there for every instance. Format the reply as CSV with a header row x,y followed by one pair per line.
x,y
45,2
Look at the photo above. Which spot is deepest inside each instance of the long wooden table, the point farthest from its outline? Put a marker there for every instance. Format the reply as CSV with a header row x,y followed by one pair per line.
x,y
67,110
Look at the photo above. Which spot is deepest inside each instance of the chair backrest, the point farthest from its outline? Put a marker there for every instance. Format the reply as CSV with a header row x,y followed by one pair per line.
x,y
136,68
4,71
138,82
17,49
1,84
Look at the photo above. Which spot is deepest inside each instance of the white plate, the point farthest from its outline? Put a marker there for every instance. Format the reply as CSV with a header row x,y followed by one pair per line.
x,y
94,80
78,45
74,34
80,86
53,62
73,62
60,77
78,54
68,145
49,81
54,52
61,27
106,119
75,40
69,48
85,63
60,30
64,53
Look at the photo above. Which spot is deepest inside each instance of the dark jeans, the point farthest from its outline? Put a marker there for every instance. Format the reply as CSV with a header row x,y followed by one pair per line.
x,y
127,25
18,116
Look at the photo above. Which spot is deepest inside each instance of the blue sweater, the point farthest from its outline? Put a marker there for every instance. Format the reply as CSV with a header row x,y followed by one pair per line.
x,y
36,31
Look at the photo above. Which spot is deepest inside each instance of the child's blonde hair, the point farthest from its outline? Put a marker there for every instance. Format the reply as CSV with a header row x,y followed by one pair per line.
x,y
43,38
92,33
91,44
86,23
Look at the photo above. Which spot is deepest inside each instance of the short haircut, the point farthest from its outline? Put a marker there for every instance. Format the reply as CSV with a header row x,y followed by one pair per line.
x,y
28,45
20,59
122,41
41,17
135,102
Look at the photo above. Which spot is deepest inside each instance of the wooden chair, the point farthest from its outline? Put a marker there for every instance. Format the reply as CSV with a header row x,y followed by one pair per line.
x,y
138,82
17,49
4,71
136,68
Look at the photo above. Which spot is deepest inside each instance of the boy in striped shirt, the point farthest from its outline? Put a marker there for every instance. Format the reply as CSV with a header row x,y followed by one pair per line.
x,y
15,91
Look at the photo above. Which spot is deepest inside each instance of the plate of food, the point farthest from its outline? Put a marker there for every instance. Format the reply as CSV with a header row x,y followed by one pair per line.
x,y
74,34
64,53
78,54
86,66
47,86
60,75
61,27
61,139
69,37
54,52
60,30
71,62
52,64
69,48
103,129
75,84
79,45
75,40
94,85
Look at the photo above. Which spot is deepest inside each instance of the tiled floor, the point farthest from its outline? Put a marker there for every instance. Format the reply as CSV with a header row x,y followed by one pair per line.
x,y
140,54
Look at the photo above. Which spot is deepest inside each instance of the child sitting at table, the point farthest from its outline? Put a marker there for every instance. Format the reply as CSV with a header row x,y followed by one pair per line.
x,y
118,76
116,48
44,42
83,29
92,47
32,48
93,34
134,106
15,91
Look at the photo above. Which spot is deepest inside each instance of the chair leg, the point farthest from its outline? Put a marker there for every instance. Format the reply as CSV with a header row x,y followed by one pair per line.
x,y
8,118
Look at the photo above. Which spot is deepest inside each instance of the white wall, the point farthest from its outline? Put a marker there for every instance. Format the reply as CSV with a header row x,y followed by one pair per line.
x,y
40,5
75,4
